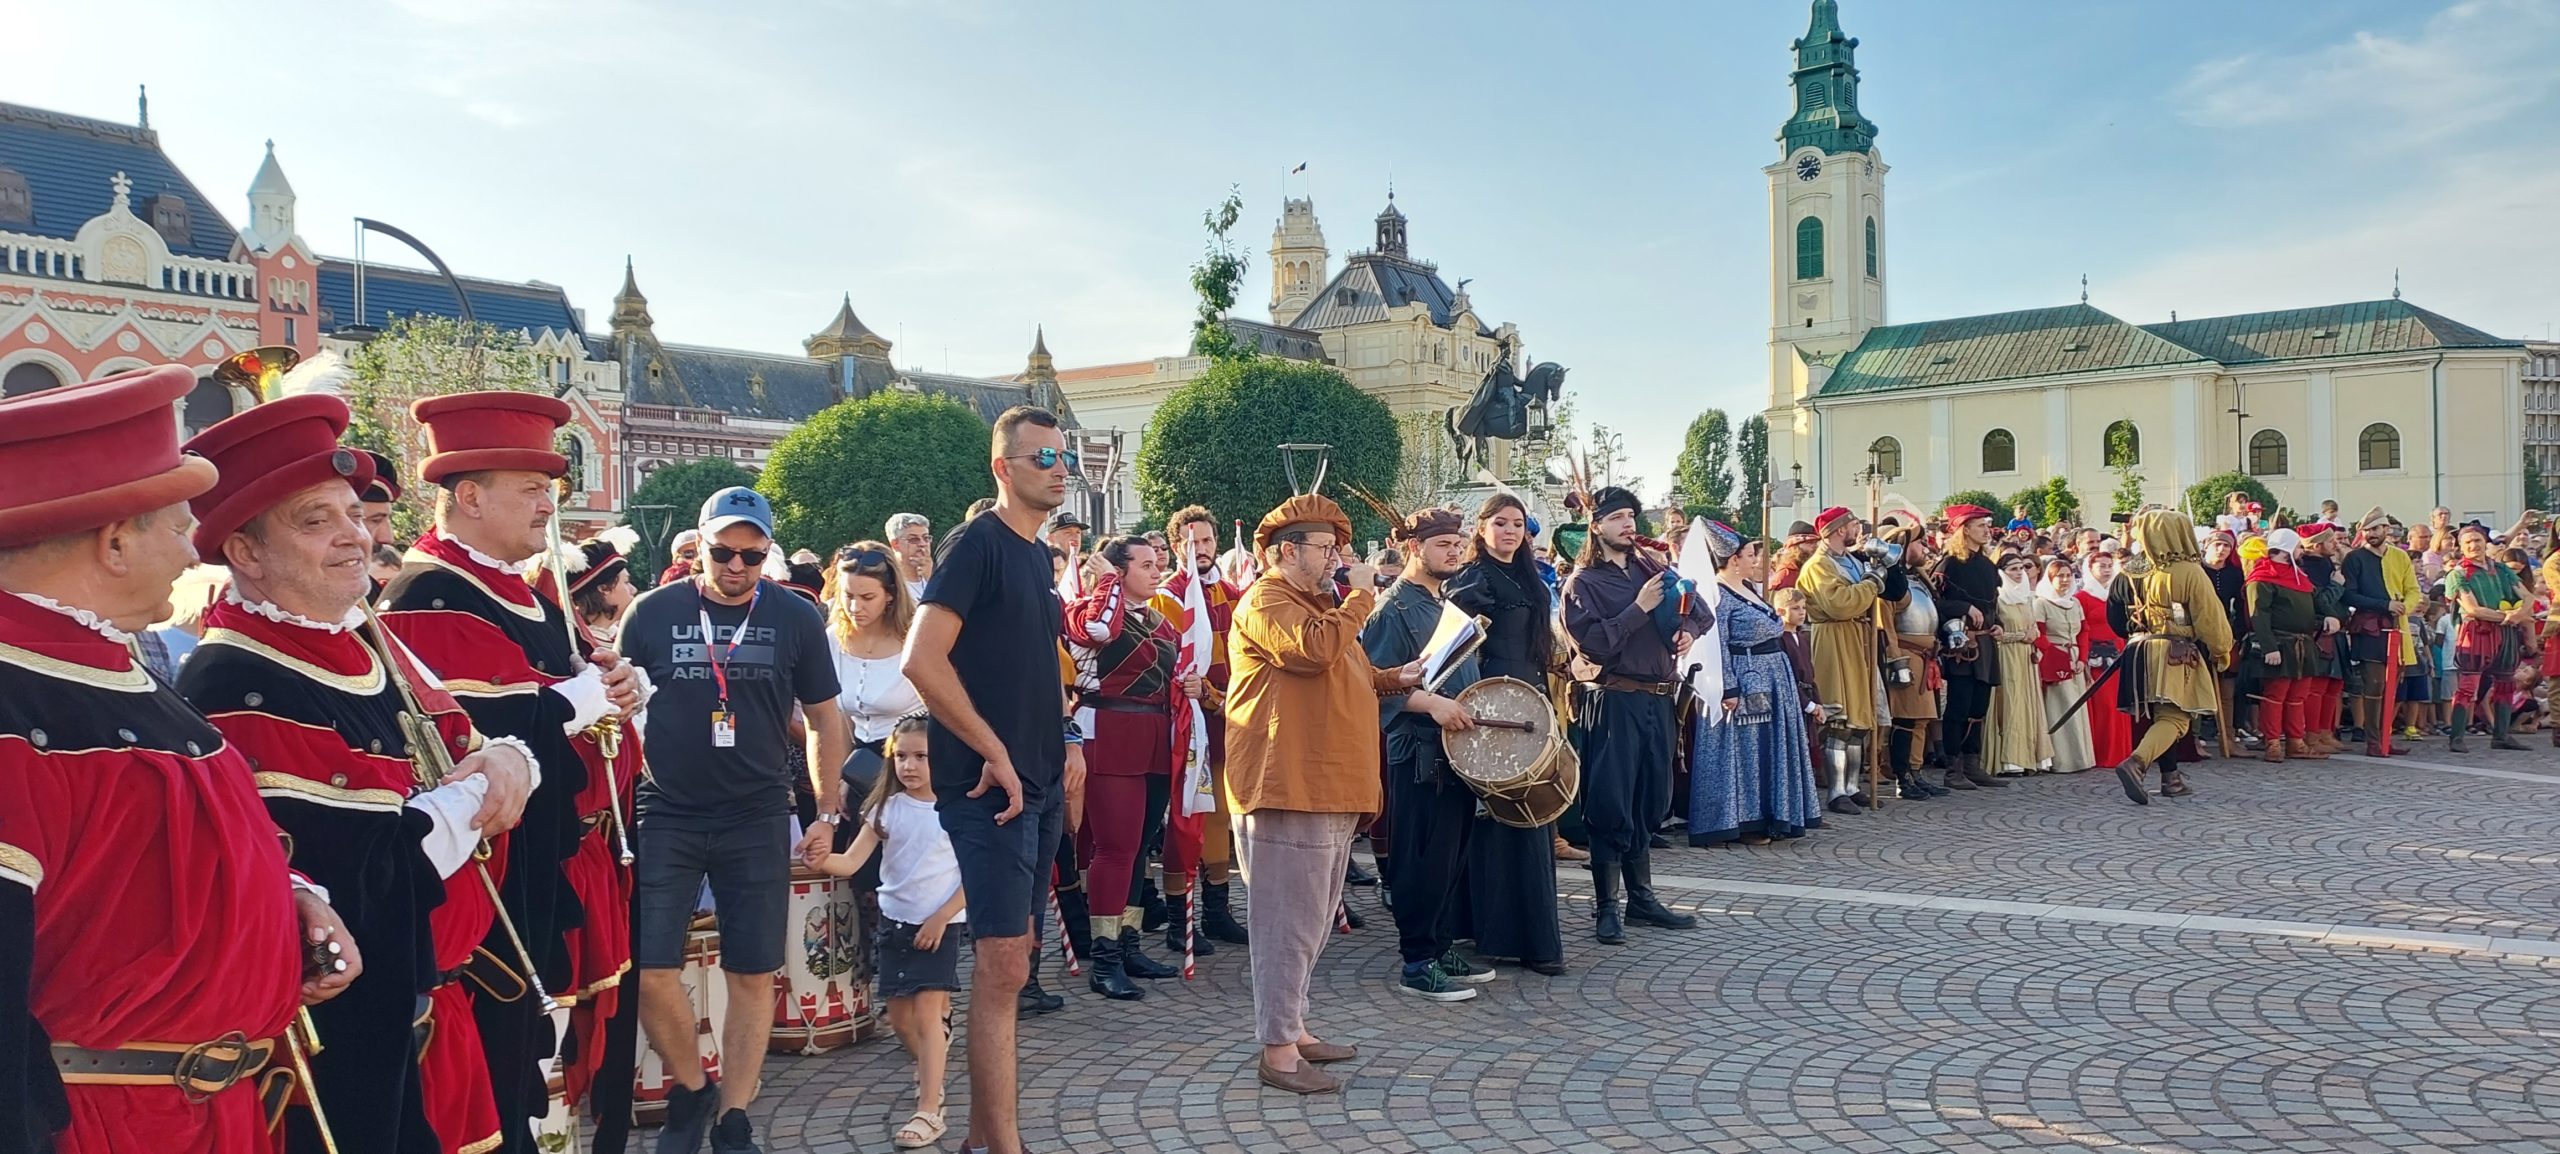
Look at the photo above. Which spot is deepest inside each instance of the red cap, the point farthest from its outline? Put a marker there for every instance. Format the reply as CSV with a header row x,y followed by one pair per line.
x,y
268,453
1957,515
1822,520
2310,529
468,432
386,478
95,453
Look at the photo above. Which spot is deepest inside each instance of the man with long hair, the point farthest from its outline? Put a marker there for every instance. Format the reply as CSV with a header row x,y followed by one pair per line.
x,y
1969,592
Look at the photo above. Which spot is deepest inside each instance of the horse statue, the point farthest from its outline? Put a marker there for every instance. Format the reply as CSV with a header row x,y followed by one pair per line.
x,y
1500,409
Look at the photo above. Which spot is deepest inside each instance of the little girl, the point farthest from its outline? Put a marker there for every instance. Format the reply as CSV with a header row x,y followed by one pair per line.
x,y
920,898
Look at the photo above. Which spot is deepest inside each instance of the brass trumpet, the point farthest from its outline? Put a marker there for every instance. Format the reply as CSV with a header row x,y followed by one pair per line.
x,y
256,371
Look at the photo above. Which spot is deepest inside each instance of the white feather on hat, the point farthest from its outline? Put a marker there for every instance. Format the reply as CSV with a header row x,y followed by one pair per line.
x,y
324,372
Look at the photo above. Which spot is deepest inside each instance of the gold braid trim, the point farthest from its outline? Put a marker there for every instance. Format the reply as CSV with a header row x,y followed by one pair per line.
x,y
19,866
364,684
275,784
134,679
531,612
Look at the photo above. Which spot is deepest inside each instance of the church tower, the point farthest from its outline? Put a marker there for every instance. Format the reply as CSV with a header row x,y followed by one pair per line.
x,y
1826,233
1299,260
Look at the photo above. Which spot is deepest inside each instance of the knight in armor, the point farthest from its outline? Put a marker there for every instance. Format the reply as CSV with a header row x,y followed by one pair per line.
x,y
1135,714
296,679
2176,637
153,941
1846,594
1912,678
1624,613
1431,810
462,605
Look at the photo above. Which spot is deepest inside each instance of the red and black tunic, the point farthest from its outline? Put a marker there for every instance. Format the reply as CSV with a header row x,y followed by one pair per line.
x,y
1128,667
143,896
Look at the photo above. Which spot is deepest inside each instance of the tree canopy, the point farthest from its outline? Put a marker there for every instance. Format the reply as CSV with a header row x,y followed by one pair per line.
x,y
2204,498
427,356
1983,497
839,477
682,489
1751,446
1214,442
1703,479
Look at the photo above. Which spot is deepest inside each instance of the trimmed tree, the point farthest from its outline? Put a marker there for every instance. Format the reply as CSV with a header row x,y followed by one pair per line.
x,y
1751,446
2059,502
2032,498
2204,498
682,489
1703,478
1215,442
427,356
839,477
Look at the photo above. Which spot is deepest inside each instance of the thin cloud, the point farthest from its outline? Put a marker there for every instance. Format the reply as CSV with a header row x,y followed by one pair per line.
x,y
2469,65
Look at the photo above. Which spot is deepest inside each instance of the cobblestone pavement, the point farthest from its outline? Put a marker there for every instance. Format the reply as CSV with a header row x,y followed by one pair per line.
x,y
1845,1019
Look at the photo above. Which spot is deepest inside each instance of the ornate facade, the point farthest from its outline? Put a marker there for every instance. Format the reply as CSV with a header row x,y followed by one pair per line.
x,y
2370,403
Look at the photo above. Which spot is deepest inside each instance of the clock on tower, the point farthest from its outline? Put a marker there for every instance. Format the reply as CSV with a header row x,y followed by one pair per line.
x,y
1808,167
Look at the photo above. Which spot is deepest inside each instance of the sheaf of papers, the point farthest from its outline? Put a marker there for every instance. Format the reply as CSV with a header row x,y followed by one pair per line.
x,y
1449,640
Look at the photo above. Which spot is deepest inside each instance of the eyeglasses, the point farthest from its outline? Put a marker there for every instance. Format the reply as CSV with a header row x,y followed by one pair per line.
x,y
722,555
861,559
1048,458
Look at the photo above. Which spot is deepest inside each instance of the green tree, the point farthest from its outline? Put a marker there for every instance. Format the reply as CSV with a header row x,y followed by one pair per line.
x,y
2032,499
2204,498
682,489
427,356
1218,277
1752,447
2059,502
1703,478
1429,463
839,477
1215,442
2537,492
2122,449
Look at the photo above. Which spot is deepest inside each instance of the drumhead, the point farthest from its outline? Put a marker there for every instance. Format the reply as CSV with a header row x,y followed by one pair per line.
x,y
1494,760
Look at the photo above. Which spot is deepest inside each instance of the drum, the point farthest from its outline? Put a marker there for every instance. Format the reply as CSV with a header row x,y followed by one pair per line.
x,y
822,997
1498,761
708,989
1545,799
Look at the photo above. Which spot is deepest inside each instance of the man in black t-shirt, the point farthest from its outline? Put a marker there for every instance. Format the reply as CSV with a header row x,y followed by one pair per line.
x,y
734,654
984,656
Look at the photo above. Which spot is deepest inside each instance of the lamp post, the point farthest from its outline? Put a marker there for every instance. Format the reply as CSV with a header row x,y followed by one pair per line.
x,y
1873,478
2239,430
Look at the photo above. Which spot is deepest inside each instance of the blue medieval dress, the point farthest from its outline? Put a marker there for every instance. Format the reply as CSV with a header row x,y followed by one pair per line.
x,y
1751,773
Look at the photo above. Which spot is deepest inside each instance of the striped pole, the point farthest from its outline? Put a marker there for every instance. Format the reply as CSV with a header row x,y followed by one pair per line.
x,y
1191,926
1066,944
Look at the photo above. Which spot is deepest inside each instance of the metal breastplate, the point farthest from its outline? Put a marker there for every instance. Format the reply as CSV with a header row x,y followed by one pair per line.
x,y
1919,616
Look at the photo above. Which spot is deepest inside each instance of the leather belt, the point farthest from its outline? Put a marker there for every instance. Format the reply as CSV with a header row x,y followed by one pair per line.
x,y
1763,649
1634,685
199,1071
1125,705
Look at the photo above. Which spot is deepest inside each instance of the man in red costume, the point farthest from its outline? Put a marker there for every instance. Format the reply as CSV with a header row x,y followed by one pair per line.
x,y
157,1027
1200,599
462,605
297,680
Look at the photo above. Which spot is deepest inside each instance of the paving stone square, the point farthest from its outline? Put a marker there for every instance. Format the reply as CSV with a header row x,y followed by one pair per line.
x,y
2117,979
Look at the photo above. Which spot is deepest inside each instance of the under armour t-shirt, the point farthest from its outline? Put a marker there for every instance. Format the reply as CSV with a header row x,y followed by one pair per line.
x,y
774,654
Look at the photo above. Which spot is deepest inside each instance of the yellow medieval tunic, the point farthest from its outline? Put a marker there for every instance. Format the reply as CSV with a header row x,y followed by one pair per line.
x,y
1841,611
2171,599
2400,579
2013,736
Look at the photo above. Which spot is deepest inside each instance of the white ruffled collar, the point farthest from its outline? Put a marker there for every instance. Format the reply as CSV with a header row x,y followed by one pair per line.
x,y
88,620
353,621
510,568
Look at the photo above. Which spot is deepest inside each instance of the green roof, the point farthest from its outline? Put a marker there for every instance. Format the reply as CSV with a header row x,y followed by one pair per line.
x,y
1826,90
2081,339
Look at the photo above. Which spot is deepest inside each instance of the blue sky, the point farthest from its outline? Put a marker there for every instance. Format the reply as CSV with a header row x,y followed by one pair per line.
x,y
968,169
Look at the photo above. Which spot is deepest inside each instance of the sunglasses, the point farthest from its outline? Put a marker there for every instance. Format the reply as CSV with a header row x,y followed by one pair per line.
x,y
722,555
858,560
1048,458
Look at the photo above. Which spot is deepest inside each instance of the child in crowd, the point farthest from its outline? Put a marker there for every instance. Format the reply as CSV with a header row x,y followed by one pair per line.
x,y
2440,616
920,900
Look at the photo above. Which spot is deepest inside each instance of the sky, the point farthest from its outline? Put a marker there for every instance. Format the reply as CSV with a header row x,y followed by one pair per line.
x,y
970,169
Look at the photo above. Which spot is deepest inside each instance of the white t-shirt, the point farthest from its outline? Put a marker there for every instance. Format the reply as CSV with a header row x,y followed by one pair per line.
x,y
918,871
875,694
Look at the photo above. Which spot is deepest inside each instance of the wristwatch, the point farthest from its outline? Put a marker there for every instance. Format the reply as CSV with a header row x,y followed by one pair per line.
x,y
831,818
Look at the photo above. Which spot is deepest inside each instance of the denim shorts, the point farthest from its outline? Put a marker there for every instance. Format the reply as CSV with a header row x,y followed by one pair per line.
x,y
749,866
903,969
1003,868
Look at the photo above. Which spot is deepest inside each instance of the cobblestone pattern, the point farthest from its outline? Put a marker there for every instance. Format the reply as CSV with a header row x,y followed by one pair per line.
x,y
1809,1025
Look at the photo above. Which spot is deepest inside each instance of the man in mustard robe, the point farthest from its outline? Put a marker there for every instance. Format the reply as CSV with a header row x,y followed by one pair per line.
x,y
1842,593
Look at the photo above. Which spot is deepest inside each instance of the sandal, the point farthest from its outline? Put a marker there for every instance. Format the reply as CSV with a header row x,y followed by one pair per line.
x,y
925,1129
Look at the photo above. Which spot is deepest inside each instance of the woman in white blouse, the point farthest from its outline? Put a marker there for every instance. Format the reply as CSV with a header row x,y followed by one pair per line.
x,y
868,612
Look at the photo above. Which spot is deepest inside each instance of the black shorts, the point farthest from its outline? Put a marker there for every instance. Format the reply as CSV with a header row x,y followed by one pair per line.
x,y
749,864
903,969
1003,868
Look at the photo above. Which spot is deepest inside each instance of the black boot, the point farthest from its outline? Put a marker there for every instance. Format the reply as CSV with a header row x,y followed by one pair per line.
x,y
1033,1000
1604,900
1105,975
2461,728
1352,918
1353,875
1151,906
2502,718
1216,921
1135,962
1914,789
1178,930
1077,918
1642,907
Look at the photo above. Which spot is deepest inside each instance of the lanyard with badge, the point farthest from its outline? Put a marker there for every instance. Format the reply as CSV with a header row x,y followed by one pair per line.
x,y
724,723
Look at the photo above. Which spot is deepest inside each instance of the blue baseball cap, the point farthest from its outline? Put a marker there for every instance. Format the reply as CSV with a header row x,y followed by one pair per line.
x,y
736,505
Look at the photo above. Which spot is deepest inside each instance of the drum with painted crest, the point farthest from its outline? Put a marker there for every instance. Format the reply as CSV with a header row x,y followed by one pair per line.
x,y
822,996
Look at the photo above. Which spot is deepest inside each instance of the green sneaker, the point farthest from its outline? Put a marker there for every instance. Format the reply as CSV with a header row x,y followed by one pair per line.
x,y
1427,981
1459,969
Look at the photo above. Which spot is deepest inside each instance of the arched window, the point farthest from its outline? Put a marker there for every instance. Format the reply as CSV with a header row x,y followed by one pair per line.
x,y
1871,246
1809,248
2378,448
31,377
2267,454
1999,452
574,448
2123,449
1886,456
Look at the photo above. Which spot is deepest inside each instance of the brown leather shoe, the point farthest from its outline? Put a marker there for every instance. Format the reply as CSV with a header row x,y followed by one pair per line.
x,y
1326,1052
1567,851
1306,1079
2275,751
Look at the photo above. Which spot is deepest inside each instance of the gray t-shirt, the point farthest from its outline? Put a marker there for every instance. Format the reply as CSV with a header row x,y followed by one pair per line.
x,y
772,653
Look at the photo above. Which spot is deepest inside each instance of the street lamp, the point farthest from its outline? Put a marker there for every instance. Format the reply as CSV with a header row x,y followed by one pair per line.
x,y
2239,429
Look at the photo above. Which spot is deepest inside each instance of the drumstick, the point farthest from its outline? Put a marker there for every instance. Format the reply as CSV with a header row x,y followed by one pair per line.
x,y
1498,723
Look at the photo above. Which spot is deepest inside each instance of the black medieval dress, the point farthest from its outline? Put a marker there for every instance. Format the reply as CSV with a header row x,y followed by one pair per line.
x,y
1511,873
